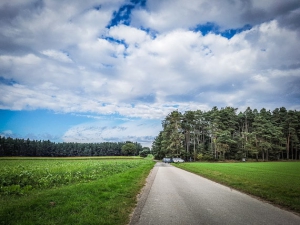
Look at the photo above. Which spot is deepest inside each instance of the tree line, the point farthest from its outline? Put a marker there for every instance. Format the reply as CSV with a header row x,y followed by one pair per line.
x,y
224,133
21,147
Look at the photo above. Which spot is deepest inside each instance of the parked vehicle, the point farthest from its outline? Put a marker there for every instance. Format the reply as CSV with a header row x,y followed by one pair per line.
x,y
178,160
167,160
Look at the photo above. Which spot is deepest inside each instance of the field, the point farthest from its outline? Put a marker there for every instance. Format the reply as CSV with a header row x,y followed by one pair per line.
x,y
70,190
277,182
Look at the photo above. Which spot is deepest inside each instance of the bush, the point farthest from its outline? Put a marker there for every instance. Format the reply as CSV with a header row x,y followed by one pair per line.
x,y
205,157
200,156
144,153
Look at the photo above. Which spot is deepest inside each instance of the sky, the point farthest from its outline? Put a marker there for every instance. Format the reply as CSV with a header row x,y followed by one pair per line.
x,y
111,70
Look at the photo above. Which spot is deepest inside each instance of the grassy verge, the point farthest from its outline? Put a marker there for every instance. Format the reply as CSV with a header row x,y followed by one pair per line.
x,y
277,182
107,199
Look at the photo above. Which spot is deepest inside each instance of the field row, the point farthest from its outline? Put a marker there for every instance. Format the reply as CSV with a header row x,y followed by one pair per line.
x,y
18,177
81,191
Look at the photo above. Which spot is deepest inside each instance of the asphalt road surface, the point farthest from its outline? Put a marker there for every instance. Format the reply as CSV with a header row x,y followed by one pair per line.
x,y
174,196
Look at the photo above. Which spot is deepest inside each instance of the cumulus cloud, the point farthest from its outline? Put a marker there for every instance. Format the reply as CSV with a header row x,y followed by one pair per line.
x,y
56,55
167,15
145,60
6,133
142,131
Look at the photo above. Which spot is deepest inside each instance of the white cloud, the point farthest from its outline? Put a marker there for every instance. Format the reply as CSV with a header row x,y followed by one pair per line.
x,y
178,63
142,131
131,35
60,56
64,57
6,133
167,15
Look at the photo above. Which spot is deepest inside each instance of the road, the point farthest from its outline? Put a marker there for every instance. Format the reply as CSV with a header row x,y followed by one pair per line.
x,y
174,196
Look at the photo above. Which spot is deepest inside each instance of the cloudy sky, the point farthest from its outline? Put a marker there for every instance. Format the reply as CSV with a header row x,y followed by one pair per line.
x,y
111,70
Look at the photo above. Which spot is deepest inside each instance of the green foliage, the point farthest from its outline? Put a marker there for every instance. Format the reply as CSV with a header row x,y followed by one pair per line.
x,y
32,148
172,136
129,149
224,134
144,153
150,156
200,156
146,149
276,182
21,176
108,199
205,157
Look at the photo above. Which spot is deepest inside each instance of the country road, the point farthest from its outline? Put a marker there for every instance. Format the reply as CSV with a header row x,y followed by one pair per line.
x,y
174,196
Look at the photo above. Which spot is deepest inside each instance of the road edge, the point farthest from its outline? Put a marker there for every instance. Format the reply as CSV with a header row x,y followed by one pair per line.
x,y
142,197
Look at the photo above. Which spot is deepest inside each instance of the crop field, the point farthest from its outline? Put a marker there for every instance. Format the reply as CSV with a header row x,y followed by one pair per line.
x,y
277,182
70,190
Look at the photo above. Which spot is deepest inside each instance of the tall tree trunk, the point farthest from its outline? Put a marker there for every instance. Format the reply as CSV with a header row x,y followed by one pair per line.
x,y
187,141
288,147
292,150
211,144
194,145
216,149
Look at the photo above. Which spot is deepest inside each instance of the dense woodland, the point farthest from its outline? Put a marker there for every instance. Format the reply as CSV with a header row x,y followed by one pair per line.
x,y
224,133
21,147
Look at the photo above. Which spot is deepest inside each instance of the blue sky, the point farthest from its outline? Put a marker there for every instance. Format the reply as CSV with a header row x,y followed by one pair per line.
x,y
111,70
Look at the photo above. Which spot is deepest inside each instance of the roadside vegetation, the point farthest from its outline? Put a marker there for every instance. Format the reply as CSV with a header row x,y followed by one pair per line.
x,y
70,191
226,134
42,148
277,182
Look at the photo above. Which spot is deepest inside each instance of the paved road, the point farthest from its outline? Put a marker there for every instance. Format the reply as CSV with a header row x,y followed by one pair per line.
x,y
174,196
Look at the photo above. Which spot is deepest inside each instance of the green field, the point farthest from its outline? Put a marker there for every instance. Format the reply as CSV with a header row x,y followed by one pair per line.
x,y
277,182
70,191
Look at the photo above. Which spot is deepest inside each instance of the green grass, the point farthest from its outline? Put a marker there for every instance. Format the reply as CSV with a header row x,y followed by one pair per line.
x,y
88,191
277,182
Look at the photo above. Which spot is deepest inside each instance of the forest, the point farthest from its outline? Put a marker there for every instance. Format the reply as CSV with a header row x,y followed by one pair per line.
x,y
226,134
21,147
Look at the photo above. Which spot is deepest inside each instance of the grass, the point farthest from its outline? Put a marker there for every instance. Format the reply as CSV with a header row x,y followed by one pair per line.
x,y
277,182
104,193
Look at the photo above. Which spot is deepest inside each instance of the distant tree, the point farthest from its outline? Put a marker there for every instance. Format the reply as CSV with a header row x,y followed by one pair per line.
x,y
157,147
129,149
225,134
188,125
144,153
290,130
173,137
139,148
146,149
21,147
